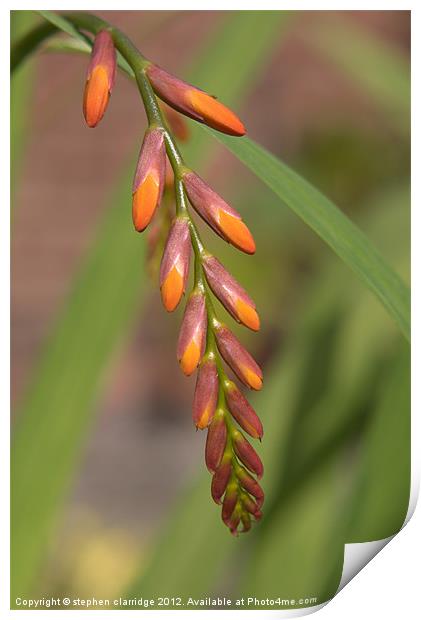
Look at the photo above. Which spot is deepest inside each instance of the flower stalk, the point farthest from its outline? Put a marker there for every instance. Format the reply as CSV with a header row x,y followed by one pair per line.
x,y
219,406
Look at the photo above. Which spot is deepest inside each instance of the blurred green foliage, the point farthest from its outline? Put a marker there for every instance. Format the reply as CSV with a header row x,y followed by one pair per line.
x,y
335,405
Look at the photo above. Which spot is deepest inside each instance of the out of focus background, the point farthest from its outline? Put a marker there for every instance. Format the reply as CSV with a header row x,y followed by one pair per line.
x,y
110,490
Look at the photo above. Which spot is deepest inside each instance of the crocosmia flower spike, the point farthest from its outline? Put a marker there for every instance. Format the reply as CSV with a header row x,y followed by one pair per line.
x,y
162,179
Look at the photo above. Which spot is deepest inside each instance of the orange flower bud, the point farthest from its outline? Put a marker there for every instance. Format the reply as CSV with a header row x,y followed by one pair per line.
x,y
193,102
175,264
247,454
216,441
206,394
239,359
191,342
100,78
225,221
243,412
230,293
220,478
149,180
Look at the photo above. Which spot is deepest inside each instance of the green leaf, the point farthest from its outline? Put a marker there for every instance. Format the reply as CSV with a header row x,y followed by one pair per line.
x,y
21,88
56,414
379,68
385,468
318,212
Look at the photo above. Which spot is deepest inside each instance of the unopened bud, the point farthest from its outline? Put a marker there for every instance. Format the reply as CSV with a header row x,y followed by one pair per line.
x,y
247,454
249,504
250,485
230,293
243,412
193,102
175,264
206,394
221,477
99,79
149,180
240,360
191,341
218,214
216,441
230,501
246,521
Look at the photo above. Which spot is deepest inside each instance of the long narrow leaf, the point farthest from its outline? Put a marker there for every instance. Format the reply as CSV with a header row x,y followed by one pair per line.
x,y
329,223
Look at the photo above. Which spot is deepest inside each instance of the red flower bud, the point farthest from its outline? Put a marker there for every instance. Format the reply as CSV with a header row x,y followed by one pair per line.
x,y
238,358
191,342
225,221
149,180
206,394
216,441
250,485
193,102
230,293
220,478
247,454
243,412
99,79
175,264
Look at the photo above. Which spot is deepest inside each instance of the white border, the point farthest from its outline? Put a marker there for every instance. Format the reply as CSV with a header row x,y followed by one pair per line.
x,y
388,585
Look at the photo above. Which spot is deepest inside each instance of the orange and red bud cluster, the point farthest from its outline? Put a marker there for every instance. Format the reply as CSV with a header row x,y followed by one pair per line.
x,y
99,79
193,102
218,405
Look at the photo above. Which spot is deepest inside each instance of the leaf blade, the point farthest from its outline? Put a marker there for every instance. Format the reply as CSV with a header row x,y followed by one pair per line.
x,y
326,220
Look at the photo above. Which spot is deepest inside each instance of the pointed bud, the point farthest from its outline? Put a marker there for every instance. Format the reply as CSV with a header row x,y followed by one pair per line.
x,y
249,504
230,501
193,102
240,360
234,519
206,394
149,179
225,221
175,264
243,412
230,293
216,441
246,521
221,477
191,342
250,485
99,79
247,454
176,122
